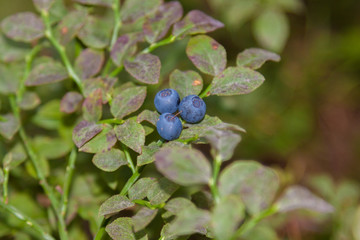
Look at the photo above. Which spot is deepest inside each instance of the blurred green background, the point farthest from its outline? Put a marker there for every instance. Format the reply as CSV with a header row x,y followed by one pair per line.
x,y
305,119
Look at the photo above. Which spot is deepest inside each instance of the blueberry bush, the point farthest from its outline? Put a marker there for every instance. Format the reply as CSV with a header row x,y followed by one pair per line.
x,y
94,62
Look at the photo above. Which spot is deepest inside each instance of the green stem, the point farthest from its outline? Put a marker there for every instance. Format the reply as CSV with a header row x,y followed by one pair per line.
x,y
253,221
163,42
5,185
129,160
148,204
213,180
61,50
116,71
29,221
117,22
68,177
206,92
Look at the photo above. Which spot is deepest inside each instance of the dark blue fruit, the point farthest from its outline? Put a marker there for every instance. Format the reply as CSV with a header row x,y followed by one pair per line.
x,y
167,101
169,126
192,109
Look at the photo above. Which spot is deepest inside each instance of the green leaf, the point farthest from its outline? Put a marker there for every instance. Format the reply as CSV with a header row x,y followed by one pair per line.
x,y
226,217
207,54
148,154
11,51
155,27
140,189
1,176
297,197
114,205
183,166
254,58
89,63
143,218
223,143
189,221
71,102
9,81
135,9
43,4
105,3
43,166
105,84
355,225
254,183
186,82
109,161
57,11
235,81
132,134
14,157
51,148
103,141
176,205
196,22
45,73
23,27
84,132
161,190
9,126
69,26
48,116
271,29
30,100
127,101
145,68
92,106
149,116
96,32
261,232
125,46
121,229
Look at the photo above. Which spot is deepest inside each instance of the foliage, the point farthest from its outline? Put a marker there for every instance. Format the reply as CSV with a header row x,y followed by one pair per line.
x,y
101,114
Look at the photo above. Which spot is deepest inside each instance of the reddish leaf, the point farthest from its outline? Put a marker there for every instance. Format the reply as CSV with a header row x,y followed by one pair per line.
x,y
145,68
45,73
71,102
89,63
127,101
124,46
69,27
84,132
105,84
135,9
92,106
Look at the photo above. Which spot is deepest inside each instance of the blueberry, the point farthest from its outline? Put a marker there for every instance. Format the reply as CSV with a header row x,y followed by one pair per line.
x,y
169,126
192,109
167,101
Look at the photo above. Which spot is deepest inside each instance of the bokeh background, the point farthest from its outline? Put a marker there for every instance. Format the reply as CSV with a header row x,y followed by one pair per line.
x,y
305,119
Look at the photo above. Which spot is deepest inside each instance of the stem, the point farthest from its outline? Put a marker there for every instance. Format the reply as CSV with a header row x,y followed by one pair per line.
x,y
253,221
213,180
148,204
68,177
61,50
117,22
205,93
29,221
163,42
116,71
112,120
129,160
5,185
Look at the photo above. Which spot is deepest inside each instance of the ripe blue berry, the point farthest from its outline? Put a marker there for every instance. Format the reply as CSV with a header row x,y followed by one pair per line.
x,y
192,109
167,101
169,126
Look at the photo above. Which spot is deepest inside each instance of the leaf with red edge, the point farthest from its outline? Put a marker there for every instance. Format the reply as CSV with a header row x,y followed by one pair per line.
x,y
145,68
71,102
207,54
196,22
127,101
155,27
45,73
23,27
104,83
124,46
89,63
69,26
92,106
102,142
254,58
85,131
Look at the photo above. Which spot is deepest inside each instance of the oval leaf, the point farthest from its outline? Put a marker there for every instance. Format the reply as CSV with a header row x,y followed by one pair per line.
x,y
69,26
71,102
161,190
45,73
297,197
43,4
9,126
143,218
84,132
135,9
14,157
132,134
121,229
11,51
254,183
207,54
254,58
104,83
30,100
92,106
23,27
128,101
89,63
145,68
236,81
148,154
140,189
149,116
109,161
114,205
196,22
186,82
183,166
102,142
124,47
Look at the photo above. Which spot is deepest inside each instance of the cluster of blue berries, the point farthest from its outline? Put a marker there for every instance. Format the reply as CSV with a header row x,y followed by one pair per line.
x,y
167,101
